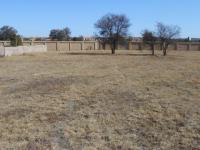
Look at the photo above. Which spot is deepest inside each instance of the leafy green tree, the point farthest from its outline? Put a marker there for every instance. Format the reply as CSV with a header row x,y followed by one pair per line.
x,y
80,38
7,33
16,41
60,35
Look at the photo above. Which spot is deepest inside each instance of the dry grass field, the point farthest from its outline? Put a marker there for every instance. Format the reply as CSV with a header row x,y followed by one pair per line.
x,y
100,102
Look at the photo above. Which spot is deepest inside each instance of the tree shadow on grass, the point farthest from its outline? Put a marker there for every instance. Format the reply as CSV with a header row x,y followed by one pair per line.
x,y
103,54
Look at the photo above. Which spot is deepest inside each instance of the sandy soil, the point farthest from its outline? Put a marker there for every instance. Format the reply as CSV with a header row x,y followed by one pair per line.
x,y
100,102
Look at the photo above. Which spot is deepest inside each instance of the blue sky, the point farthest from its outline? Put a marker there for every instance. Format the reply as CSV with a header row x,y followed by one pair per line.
x,y
38,17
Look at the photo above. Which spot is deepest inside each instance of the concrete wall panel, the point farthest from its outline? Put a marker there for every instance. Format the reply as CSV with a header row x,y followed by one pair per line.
x,y
19,50
2,51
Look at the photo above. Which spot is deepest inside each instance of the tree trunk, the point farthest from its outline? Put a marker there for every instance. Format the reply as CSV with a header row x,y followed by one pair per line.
x,y
113,47
153,49
113,51
153,53
164,52
165,47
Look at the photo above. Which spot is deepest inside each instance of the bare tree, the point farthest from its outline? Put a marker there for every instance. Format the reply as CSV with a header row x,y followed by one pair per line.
x,y
166,34
112,28
61,35
150,39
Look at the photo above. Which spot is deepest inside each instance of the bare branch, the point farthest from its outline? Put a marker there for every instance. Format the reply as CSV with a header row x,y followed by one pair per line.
x,y
112,27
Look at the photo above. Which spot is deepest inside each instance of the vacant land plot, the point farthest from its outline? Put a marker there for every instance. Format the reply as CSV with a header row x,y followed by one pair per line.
x,y
122,102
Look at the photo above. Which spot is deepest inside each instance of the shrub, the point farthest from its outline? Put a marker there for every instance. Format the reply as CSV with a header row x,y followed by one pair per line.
x,y
16,40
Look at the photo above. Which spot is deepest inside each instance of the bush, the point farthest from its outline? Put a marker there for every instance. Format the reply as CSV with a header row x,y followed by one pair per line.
x,y
19,40
80,38
60,34
16,40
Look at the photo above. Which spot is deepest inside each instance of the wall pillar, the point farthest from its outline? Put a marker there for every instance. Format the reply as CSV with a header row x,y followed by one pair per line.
x,y
140,46
69,46
129,45
32,42
56,46
176,46
95,45
189,47
153,48
82,45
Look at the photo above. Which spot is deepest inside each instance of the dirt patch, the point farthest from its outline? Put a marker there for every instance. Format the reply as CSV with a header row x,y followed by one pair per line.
x,y
51,117
39,144
17,113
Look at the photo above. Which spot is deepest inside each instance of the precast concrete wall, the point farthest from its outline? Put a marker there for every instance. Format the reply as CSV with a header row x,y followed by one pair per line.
x,y
19,50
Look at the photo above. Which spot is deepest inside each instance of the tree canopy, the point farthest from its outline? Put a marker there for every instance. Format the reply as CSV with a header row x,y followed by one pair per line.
x,y
166,34
149,38
7,33
112,28
60,34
